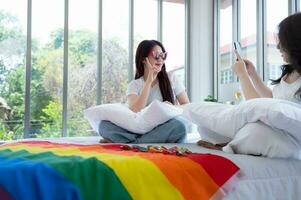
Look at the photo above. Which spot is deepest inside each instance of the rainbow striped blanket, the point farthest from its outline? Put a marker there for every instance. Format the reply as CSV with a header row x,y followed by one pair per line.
x,y
46,170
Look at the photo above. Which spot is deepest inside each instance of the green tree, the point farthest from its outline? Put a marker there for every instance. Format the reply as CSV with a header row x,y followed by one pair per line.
x,y
9,26
82,74
82,57
47,77
115,72
12,45
12,80
51,121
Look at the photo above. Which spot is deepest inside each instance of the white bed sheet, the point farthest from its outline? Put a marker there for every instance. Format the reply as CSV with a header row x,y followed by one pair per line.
x,y
261,178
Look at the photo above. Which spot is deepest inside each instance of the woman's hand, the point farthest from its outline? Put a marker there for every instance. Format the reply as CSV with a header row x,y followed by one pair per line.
x,y
244,69
250,67
242,66
239,67
153,71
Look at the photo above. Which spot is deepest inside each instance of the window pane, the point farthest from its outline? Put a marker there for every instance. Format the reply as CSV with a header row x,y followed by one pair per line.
x,y
145,21
226,81
12,68
174,36
47,67
115,50
82,69
277,10
248,29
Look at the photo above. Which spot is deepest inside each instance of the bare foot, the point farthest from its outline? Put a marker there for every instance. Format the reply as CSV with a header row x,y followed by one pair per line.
x,y
210,145
105,140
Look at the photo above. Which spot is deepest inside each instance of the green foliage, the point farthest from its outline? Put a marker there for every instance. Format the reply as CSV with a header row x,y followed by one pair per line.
x,y
115,68
3,73
57,39
210,98
14,94
51,121
40,98
47,79
9,26
12,44
82,46
12,78
5,135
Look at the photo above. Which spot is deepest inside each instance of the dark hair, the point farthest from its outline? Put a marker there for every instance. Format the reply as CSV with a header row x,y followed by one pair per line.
x,y
143,50
289,36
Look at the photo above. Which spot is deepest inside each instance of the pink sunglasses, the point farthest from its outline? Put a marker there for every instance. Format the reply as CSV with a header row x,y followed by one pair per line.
x,y
157,55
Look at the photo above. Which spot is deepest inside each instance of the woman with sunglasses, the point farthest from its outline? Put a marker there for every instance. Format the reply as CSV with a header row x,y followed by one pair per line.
x,y
152,82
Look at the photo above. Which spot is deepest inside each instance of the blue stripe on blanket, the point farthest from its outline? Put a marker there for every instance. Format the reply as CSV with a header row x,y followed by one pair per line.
x,y
33,180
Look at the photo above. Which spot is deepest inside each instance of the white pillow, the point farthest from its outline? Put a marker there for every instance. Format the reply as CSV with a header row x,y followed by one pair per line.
x,y
142,122
226,120
260,139
207,115
211,109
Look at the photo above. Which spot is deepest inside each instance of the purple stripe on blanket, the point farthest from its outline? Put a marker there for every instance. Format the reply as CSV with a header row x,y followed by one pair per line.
x,y
4,195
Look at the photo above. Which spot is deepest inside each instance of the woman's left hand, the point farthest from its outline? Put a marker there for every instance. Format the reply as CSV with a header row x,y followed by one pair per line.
x,y
239,67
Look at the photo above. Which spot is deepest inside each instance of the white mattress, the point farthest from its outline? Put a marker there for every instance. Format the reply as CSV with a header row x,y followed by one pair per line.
x,y
261,178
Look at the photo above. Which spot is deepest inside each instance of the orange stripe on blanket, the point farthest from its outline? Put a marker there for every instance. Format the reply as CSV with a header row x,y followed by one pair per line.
x,y
196,177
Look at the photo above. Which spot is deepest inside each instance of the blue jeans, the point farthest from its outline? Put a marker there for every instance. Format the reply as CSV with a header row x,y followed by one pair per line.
x,y
172,131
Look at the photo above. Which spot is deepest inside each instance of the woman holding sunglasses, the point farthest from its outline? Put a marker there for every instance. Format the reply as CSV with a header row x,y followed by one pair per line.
x,y
152,82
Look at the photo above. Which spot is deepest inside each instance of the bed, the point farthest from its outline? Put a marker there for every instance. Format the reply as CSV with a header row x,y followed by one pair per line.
x,y
250,177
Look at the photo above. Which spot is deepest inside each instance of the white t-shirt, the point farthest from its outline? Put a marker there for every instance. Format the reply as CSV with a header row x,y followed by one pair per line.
x,y
136,86
287,91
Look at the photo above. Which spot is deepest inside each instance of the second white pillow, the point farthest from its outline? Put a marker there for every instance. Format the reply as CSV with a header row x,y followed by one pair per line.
x,y
259,139
226,120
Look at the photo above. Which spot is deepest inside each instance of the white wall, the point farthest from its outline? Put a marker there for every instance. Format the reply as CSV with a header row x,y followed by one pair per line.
x,y
201,49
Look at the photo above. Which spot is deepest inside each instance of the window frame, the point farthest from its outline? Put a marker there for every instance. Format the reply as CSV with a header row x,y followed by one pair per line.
x,y
293,5
27,126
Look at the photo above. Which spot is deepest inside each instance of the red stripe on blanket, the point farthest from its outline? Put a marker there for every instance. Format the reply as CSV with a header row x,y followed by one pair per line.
x,y
213,165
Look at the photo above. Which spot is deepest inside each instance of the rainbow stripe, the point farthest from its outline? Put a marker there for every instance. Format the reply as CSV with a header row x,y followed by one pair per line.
x,y
45,170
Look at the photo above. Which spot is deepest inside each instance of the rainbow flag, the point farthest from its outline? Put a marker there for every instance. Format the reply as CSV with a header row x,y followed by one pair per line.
x,y
46,170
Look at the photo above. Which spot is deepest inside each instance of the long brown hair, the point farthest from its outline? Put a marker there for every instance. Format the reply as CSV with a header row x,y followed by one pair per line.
x,y
289,36
143,50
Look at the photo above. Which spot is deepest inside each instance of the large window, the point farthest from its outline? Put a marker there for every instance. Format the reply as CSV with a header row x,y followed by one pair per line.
x,y
93,68
145,20
146,25
174,36
82,59
115,50
255,26
46,68
276,12
226,80
248,29
12,68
